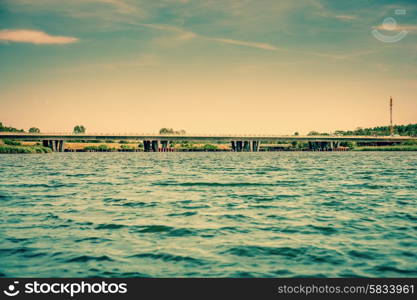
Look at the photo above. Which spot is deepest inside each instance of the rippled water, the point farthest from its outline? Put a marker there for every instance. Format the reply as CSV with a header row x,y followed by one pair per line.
x,y
208,214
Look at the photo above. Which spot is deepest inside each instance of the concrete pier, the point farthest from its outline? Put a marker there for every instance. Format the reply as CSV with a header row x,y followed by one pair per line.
x,y
154,145
246,146
147,146
323,146
55,145
233,145
255,146
164,146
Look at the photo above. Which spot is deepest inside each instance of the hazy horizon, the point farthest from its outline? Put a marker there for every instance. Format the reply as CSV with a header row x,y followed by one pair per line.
x,y
215,67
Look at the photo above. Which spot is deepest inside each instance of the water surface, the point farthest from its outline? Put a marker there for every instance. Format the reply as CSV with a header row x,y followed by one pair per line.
x,y
208,214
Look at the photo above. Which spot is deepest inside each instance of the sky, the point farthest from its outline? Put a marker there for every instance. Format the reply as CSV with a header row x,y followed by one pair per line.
x,y
207,66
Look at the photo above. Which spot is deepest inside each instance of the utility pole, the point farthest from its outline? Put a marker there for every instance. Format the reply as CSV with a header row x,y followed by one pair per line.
x,y
391,128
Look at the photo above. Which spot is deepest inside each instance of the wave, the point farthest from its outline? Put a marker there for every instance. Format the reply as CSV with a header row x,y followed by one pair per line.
x,y
110,226
169,258
171,231
305,254
213,184
86,258
387,270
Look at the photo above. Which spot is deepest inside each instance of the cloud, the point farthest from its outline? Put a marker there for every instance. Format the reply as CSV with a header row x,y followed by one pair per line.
x,y
345,17
120,5
183,34
263,46
188,35
397,28
33,37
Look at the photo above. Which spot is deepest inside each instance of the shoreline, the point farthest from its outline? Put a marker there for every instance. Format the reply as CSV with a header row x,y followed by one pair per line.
x,y
29,147
22,150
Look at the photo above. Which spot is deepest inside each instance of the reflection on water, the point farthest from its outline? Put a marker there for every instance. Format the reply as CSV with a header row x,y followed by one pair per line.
x,y
208,214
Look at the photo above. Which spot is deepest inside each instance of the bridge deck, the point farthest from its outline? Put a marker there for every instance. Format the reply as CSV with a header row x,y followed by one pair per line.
x,y
225,138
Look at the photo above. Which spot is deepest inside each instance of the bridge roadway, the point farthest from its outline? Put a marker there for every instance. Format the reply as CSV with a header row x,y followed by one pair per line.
x,y
155,142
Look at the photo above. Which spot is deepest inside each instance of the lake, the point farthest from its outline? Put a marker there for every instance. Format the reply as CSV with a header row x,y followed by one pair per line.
x,y
272,214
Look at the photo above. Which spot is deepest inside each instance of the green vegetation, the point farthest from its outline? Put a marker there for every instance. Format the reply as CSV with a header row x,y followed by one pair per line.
x,y
34,130
209,147
387,148
11,143
9,129
403,130
313,133
100,148
24,149
79,129
127,148
89,141
411,142
191,147
349,144
105,148
171,131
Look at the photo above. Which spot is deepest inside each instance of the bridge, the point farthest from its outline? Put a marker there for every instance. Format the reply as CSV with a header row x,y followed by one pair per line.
x,y
239,143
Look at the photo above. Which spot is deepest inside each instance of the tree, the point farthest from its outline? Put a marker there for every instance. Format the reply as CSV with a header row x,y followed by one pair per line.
x,y
79,129
296,133
171,131
34,130
313,133
166,131
9,129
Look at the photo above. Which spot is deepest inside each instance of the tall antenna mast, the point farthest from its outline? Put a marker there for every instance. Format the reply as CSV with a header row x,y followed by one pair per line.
x,y
391,128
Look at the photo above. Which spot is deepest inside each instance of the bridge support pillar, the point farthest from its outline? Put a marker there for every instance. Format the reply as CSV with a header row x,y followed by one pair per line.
x,y
323,146
247,146
61,146
233,145
164,146
155,145
55,145
239,146
255,146
146,146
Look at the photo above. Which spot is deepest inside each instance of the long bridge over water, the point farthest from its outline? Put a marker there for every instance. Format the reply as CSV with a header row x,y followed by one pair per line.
x,y
239,143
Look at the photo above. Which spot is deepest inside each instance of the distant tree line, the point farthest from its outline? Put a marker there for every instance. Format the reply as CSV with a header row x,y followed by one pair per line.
x,y
9,129
403,130
78,129
171,131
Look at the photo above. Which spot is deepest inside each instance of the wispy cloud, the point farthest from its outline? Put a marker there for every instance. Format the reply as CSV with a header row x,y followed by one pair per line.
x,y
187,35
264,46
398,28
121,6
183,34
345,17
33,37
